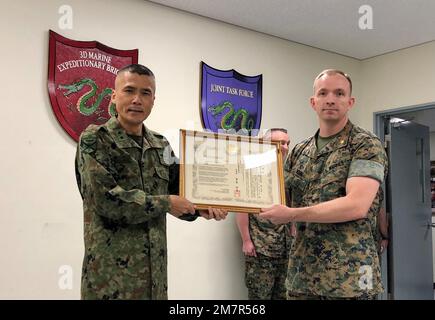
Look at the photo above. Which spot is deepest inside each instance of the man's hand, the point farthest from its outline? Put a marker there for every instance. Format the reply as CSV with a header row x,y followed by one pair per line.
x,y
249,249
213,213
180,206
383,244
278,214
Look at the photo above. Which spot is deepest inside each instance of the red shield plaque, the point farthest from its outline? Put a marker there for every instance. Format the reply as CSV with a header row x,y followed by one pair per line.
x,y
81,78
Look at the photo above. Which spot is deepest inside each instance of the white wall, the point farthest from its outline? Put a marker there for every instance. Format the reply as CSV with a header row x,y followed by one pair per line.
x,y
400,79
41,213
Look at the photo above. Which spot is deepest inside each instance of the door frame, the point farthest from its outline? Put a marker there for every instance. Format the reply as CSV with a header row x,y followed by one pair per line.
x,y
378,116
379,130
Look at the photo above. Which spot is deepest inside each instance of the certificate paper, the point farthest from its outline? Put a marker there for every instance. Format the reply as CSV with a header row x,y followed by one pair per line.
x,y
237,173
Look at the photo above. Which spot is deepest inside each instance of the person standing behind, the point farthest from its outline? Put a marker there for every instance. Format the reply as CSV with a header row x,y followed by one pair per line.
x,y
265,245
383,238
128,183
334,178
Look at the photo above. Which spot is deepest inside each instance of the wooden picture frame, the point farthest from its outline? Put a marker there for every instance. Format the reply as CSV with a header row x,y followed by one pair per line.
x,y
232,172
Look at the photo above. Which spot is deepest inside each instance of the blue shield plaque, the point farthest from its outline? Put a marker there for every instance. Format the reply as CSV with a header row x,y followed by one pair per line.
x,y
230,102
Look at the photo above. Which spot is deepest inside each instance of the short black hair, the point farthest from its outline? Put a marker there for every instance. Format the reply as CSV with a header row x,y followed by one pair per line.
x,y
137,68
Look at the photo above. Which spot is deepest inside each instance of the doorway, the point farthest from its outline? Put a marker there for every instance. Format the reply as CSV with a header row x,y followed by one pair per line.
x,y
408,135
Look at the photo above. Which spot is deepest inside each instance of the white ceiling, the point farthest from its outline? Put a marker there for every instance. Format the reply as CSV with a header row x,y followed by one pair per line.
x,y
332,25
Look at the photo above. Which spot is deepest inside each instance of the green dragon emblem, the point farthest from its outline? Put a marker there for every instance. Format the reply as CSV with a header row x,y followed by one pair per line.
x,y
229,120
81,104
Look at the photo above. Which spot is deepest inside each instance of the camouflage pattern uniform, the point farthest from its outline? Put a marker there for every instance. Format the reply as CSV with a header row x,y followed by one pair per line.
x,y
125,192
335,260
265,274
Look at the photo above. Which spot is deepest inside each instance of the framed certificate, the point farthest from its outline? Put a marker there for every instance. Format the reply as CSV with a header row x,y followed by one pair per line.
x,y
236,173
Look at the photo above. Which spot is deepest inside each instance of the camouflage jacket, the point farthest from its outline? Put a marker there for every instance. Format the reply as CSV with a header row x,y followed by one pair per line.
x,y
335,259
125,192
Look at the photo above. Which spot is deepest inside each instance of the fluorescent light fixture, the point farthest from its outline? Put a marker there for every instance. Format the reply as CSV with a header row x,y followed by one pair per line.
x,y
396,120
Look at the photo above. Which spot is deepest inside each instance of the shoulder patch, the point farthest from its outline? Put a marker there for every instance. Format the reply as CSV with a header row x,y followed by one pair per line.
x,y
88,141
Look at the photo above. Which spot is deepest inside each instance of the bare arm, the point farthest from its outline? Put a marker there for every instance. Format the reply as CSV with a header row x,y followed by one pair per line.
x,y
383,229
383,223
242,220
360,193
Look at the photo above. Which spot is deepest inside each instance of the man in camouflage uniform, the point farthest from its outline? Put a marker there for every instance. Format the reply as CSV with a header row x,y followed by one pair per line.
x,y
128,183
266,245
334,178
